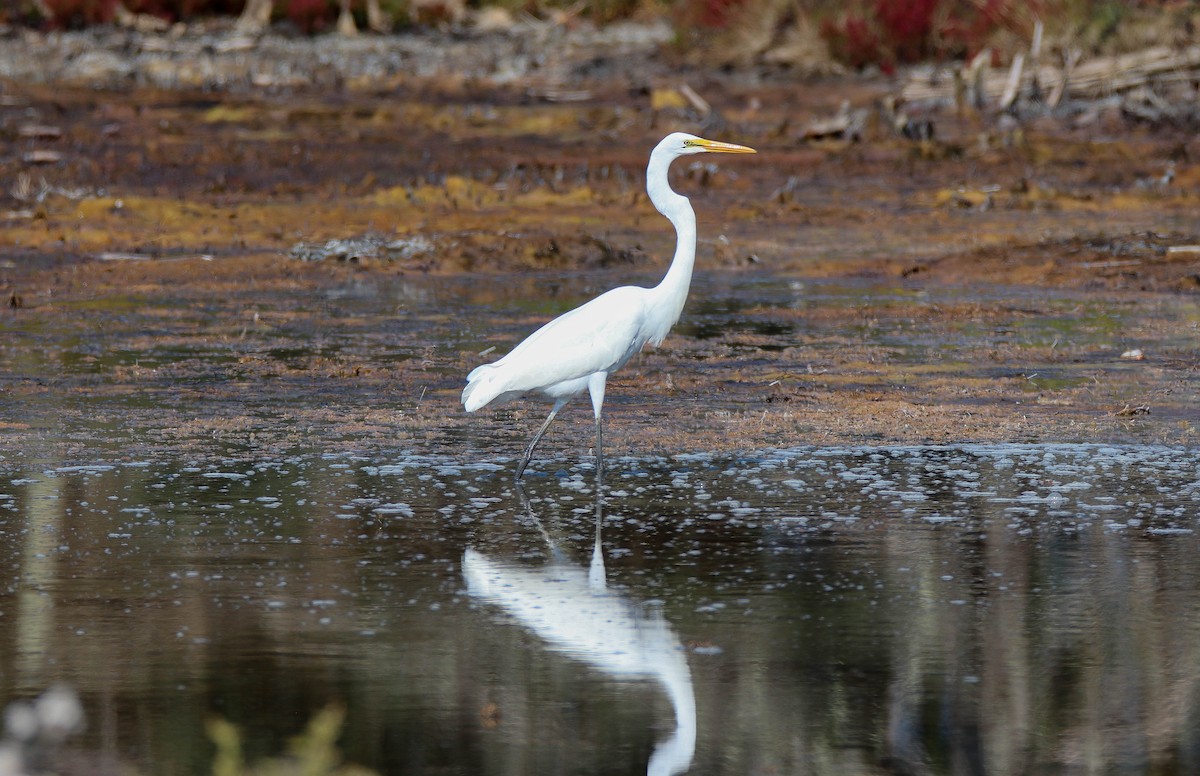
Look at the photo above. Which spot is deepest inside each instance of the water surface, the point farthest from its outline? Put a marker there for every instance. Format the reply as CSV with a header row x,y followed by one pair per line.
x,y
985,608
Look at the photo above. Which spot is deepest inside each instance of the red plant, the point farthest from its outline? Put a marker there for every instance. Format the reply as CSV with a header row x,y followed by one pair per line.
x,y
73,14
853,41
164,9
907,26
890,32
717,14
79,13
311,15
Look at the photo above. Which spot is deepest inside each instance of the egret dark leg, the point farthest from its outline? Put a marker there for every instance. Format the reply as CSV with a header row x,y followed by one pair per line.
x,y
537,438
599,451
596,390
524,497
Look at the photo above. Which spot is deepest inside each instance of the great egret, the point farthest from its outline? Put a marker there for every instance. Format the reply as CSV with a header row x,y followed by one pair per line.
x,y
579,349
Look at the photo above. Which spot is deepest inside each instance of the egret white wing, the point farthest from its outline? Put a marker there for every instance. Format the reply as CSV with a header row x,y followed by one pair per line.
x,y
598,336
595,337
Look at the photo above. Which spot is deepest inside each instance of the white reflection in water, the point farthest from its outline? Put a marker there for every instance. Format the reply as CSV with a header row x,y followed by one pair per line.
x,y
571,608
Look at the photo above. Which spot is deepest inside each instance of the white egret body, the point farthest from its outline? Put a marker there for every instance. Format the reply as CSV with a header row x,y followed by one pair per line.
x,y
578,350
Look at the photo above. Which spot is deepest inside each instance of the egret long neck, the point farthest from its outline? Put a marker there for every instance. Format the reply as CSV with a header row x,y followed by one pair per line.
x,y
672,291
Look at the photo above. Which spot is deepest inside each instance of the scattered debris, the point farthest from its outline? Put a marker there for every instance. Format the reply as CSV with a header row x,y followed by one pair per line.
x,y
142,22
981,199
1109,264
42,156
38,132
681,98
114,256
1156,85
240,58
695,100
556,94
24,189
846,124
367,247
581,250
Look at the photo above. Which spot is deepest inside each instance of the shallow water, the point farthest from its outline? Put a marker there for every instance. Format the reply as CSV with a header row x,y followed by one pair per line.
x,y
363,360
987,609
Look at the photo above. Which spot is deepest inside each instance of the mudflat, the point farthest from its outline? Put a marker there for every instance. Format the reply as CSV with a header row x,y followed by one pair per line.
x,y
326,259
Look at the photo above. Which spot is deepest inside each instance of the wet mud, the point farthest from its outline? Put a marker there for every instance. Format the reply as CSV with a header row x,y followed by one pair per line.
x,y
285,268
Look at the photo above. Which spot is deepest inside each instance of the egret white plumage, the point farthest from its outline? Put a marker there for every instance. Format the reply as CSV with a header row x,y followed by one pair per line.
x,y
578,350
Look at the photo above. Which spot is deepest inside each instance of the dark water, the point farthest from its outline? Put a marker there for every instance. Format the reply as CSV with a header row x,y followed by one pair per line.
x,y
978,609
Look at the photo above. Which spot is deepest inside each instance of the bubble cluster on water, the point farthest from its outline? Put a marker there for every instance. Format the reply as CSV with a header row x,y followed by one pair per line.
x,y
363,534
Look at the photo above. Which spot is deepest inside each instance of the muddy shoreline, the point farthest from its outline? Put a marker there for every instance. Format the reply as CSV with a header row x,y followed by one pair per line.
x,y
1029,283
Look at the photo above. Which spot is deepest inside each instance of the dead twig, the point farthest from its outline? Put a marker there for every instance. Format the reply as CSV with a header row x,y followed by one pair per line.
x,y
699,103
1013,85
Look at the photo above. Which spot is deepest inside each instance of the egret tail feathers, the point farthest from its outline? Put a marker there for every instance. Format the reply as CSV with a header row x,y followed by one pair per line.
x,y
482,387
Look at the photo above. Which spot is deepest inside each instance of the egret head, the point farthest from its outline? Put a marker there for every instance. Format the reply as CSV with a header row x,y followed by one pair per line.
x,y
683,144
674,206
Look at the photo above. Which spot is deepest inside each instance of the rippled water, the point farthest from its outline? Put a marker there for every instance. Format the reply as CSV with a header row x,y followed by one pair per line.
x,y
975,609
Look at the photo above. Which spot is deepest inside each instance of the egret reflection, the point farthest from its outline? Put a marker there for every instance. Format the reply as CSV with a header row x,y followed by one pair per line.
x,y
571,608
